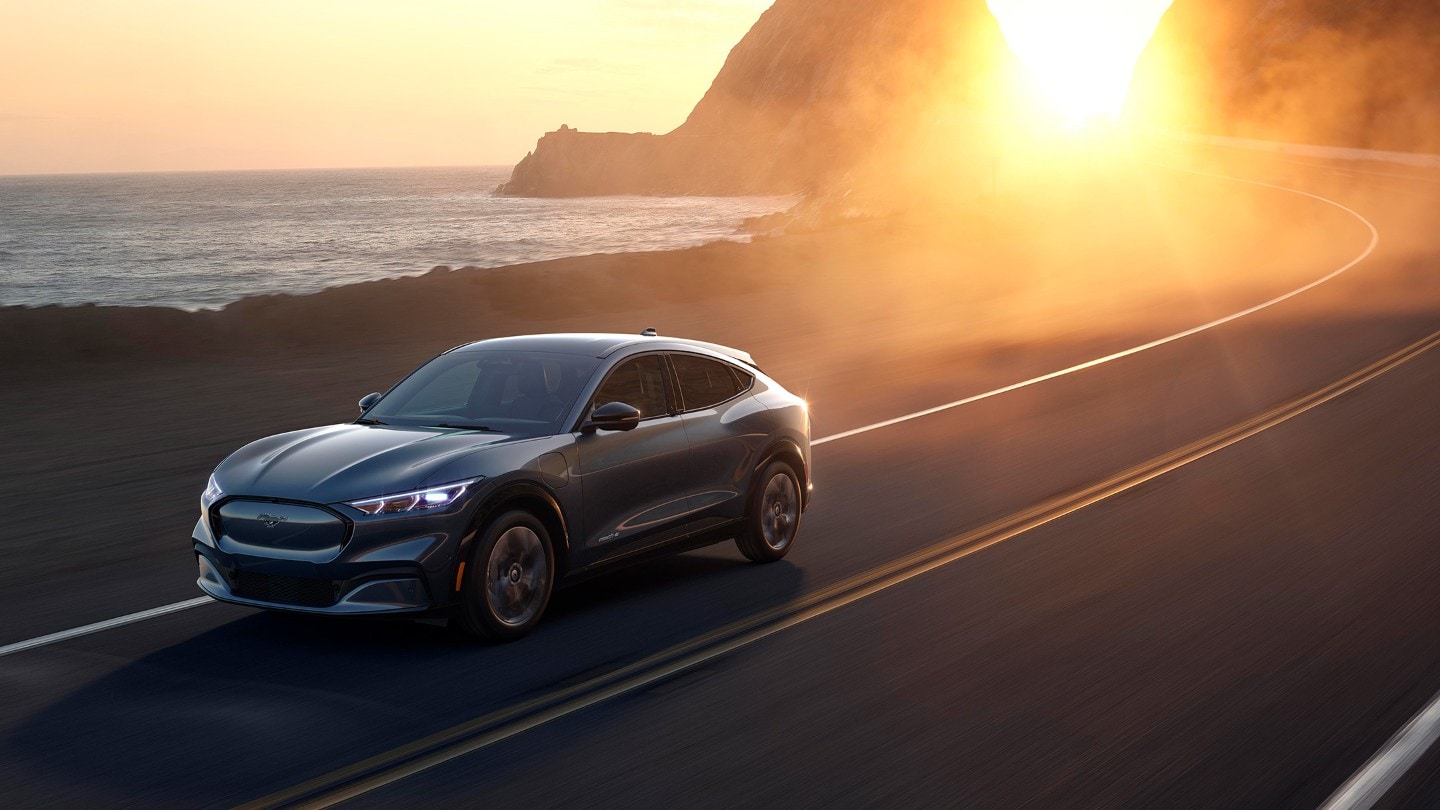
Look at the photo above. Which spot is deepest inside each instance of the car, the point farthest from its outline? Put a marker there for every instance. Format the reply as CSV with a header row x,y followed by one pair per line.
x,y
504,468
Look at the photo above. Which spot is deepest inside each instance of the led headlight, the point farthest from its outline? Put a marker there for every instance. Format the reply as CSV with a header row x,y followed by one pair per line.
x,y
416,501
211,494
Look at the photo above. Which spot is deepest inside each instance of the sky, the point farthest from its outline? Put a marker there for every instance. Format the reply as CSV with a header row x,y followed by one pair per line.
x,y
167,85
1079,55
176,85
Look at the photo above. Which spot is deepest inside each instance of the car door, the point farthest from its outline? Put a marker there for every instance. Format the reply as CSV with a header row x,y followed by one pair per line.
x,y
634,482
726,428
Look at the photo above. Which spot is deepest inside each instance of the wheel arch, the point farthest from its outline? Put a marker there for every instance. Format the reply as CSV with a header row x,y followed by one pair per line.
x,y
789,452
538,501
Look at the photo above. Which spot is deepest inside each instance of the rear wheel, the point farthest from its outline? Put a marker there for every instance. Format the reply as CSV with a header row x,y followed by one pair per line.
x,y
508,578
774,516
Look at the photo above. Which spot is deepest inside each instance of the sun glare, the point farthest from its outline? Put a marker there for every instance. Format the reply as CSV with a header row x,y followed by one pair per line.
x,y
1079,54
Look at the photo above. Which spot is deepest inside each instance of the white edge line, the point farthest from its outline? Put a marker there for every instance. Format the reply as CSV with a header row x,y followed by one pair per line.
x,y
120,621
1104,491
64,635
1369,249
1369,784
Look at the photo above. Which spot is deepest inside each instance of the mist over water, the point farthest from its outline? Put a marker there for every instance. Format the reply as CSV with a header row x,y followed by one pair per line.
x,y
202,240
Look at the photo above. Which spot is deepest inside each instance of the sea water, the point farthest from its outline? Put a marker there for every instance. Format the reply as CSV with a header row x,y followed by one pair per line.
x,y
197,240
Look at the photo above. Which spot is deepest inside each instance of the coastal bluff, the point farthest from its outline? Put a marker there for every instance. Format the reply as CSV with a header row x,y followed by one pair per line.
x,y
570,163
813,88
821,95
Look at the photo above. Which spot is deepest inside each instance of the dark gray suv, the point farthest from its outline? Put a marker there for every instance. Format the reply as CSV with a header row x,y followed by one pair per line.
x,y
502,468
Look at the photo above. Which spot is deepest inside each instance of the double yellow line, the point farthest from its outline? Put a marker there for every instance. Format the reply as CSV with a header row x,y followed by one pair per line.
x,y
409,759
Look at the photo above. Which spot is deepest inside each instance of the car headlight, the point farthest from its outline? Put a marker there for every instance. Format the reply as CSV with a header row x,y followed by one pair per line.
x,y
211,494
416,501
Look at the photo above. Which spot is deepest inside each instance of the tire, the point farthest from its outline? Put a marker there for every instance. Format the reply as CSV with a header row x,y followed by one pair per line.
x,y
773,519
508,578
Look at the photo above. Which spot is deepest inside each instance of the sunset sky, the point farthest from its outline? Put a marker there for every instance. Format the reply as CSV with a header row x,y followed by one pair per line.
x,y
94,85
161,85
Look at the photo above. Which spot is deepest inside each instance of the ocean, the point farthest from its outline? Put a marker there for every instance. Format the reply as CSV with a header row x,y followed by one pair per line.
x,y
200,240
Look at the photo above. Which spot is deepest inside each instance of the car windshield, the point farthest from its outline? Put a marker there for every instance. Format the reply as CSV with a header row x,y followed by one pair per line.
x,y
524,393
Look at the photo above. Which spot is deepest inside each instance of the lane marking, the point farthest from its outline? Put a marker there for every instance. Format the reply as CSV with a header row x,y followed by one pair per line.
x,y
407,760
120,621
1194,330
1369,249
1378,775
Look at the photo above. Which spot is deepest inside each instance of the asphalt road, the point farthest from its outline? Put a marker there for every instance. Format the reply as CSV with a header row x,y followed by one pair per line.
x,y
1246,630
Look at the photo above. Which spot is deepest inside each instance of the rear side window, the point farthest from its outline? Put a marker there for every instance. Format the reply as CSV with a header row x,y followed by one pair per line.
x,y
704,382
639,383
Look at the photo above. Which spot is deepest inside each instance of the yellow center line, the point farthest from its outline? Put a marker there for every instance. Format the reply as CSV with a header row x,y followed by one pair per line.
x,y
389,767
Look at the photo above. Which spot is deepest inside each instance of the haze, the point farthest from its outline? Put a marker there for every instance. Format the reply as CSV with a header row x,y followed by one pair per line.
x,y
89,86
1123,435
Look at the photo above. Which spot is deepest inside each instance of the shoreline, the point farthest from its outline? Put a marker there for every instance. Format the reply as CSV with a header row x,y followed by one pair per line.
x,y
741,237
830,267
135,406
204,243
33,336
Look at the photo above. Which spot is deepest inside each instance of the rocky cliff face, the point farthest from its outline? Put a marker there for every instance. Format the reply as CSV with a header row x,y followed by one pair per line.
x,y
820,87
806,93
1362,73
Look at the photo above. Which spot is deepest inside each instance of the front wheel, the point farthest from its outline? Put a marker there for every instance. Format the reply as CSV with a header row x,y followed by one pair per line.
x,y
508,578
774,516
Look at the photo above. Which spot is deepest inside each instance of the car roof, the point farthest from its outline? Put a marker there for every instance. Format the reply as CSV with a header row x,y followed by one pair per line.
x,y
598,344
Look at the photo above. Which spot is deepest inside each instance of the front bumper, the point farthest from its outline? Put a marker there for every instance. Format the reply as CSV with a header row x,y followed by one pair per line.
x,y
390,595
384,567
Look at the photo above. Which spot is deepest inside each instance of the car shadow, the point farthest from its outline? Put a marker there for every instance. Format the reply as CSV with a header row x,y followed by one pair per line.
x,y
268,700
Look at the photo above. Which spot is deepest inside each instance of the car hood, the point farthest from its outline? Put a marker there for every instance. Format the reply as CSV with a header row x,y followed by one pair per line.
x,y
346,462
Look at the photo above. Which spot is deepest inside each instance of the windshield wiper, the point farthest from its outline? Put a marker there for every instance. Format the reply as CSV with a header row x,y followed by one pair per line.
x,y
363,421
465,427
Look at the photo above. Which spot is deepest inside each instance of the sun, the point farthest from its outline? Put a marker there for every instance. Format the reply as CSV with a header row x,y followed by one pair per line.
x,y
1079,54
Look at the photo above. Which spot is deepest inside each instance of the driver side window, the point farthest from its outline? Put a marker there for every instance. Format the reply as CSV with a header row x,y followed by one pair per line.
x,y
638,382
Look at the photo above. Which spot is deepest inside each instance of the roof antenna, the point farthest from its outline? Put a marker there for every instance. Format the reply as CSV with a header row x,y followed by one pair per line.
x,y
649,332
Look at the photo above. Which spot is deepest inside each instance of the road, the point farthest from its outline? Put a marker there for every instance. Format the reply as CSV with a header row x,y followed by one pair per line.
x,y
1248,629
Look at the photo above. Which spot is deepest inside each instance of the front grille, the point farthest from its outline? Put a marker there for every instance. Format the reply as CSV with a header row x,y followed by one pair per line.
x,y
285,590
291,528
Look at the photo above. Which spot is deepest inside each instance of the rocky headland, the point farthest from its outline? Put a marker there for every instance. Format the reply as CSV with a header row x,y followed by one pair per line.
x,y
803,98
820,91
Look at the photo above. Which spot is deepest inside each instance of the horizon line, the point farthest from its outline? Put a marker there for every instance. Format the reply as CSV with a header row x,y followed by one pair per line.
x,y
4,175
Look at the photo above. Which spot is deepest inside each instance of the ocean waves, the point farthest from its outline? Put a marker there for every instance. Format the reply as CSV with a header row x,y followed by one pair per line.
x,y
203,240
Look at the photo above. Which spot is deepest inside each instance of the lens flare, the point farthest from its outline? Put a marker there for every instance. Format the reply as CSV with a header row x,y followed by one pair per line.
x,y
1079,54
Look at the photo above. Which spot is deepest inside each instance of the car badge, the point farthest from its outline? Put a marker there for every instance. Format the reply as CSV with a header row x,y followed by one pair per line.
x,y
271,521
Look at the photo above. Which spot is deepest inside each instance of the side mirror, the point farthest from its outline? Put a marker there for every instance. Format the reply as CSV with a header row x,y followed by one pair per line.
x,y
368,401
612,416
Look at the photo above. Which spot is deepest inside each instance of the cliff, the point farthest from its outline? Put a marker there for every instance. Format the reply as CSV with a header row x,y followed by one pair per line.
x,y
570,163
806,94
1362,73
819,91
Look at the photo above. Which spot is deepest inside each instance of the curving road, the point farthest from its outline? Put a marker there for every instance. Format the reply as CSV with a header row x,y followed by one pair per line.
x,y
1195,574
